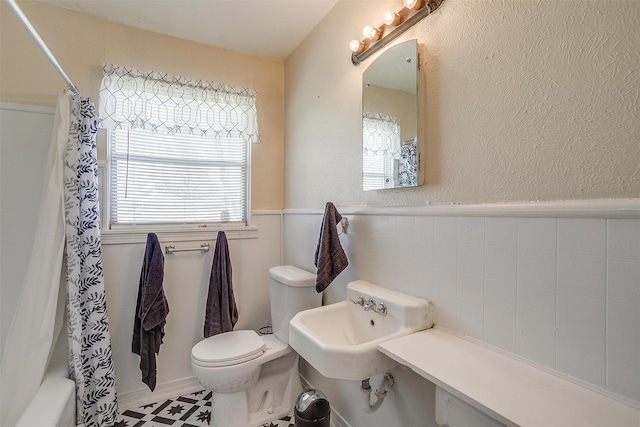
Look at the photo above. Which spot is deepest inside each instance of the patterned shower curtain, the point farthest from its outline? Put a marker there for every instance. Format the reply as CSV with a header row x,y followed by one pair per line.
x,y
90,362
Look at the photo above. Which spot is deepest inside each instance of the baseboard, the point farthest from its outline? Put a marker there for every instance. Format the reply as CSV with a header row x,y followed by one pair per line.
x,y
163,391
336,419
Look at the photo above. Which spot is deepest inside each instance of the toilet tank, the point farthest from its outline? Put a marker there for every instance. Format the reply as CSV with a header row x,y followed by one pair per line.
x,y
291,290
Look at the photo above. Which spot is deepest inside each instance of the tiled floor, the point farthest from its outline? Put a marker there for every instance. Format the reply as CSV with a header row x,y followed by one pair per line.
x,y
191,410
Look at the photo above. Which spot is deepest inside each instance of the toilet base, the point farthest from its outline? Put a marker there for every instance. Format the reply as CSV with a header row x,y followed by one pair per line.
x,y
271,398
229,409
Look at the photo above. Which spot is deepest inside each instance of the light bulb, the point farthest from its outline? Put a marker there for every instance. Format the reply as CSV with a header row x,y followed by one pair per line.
x,y
391,18
371,32
413,4
356,46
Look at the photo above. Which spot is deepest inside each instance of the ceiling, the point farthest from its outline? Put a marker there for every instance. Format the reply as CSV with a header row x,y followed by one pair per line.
x,y
266,28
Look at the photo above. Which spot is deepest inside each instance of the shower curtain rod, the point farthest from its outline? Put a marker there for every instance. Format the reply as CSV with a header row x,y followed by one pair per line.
x,y
34,34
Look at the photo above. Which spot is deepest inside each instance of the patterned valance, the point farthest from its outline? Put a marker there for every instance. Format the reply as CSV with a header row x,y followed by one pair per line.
x,y
168,104
381,134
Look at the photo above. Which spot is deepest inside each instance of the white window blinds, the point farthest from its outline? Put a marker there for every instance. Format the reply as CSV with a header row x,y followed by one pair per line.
x,y
376,171
178,148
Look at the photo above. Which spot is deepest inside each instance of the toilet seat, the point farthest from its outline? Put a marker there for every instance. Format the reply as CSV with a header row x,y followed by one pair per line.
x,y
229,348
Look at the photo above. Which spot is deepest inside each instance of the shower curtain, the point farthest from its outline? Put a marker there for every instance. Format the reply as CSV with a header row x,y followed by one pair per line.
x,y
31,334
68,218
90,362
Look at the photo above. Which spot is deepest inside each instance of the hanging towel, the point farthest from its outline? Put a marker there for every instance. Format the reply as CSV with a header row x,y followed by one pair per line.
x,y
222,313
330,258
151,311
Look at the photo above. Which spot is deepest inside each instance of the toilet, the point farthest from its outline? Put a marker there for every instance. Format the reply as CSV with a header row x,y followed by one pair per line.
x,y
254,378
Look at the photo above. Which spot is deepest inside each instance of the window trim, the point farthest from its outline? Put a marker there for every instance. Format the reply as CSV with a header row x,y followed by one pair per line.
x,y
139,235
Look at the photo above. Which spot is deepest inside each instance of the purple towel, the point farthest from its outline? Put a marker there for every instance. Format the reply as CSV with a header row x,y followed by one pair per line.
x,y
151,311
330,258
222,313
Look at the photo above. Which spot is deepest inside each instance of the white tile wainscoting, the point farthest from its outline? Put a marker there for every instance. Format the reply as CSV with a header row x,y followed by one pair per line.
x,y
555,284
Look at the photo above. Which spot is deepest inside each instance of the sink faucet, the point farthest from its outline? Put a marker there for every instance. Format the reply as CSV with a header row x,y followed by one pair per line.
x,y
370,304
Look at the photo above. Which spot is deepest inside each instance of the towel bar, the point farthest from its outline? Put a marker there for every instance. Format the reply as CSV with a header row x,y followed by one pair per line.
x,y
172,249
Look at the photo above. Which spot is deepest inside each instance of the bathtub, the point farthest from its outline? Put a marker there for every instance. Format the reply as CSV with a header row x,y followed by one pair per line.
x,y
54,405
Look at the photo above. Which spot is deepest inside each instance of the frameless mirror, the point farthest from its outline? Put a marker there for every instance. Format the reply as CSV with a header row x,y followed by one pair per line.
x,y
390,157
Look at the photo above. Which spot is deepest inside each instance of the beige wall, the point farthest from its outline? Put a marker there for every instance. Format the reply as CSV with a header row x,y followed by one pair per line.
x,y
82,43
523,101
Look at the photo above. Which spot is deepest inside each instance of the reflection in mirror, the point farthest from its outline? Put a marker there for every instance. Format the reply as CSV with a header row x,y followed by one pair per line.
x,y
389,119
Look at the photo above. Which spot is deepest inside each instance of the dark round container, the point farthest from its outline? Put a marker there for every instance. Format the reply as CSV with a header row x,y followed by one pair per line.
x,y
312,409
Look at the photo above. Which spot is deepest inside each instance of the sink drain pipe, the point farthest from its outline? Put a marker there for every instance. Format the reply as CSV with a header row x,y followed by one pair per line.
x,y
381,393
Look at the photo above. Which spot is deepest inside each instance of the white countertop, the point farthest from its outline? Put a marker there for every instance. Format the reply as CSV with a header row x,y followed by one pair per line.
x,y
509,390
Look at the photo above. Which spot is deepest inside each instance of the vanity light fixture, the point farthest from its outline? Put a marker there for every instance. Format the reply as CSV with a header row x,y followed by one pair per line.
x,y
394,24
413,4
371,33
391,18
356,46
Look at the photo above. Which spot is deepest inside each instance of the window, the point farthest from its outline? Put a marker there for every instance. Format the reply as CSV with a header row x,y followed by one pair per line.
x,y
380,151
376,171
178,148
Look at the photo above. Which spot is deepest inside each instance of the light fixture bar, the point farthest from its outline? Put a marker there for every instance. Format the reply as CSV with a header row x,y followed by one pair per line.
x,y
371,47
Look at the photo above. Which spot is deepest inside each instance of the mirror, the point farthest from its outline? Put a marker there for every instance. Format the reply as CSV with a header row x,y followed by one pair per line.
x,y
390,157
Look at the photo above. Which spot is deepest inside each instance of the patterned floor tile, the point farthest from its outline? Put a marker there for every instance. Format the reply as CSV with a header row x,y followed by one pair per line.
x,y
191,410
282,422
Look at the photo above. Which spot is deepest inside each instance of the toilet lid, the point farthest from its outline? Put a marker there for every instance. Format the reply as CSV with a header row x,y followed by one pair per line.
x,y
229,348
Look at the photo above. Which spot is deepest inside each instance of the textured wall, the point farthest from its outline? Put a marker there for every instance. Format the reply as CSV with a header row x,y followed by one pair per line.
x,y
523,101
82,43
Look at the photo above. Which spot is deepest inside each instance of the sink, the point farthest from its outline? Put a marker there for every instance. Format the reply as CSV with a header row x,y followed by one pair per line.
x,y
341,340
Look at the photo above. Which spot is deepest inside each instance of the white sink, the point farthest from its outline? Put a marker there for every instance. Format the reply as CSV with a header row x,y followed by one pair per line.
x,y
341,340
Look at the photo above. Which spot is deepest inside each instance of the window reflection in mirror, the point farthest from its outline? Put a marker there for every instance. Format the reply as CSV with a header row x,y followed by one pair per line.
x,y
389,119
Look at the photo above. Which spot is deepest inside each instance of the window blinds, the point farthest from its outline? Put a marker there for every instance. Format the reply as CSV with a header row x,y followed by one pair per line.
x,y
176,178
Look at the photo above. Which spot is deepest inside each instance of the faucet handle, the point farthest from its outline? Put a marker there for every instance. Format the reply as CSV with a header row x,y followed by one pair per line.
x,y
381,309
359,301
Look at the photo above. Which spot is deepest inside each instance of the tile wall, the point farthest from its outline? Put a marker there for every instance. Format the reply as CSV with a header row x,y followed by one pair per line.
x,y
561,292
